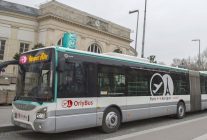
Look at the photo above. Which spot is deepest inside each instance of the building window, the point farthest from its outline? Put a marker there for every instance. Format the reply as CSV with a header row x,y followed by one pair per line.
x,y
118,51
94,48
2,47
23,47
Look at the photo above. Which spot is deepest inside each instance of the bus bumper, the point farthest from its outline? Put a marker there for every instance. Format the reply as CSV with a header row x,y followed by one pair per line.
x,y
45,125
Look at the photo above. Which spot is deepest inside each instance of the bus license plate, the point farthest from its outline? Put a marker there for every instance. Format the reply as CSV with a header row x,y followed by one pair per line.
x,y
21,116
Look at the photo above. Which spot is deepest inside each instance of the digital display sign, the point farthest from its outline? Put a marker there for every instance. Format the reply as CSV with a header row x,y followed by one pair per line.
x,y
34,58
41,57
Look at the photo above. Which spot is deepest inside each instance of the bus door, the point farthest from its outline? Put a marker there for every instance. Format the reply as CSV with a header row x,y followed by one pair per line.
x,y
77,96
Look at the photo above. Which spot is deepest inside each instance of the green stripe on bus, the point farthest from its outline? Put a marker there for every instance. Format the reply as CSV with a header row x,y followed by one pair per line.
x,y
56,75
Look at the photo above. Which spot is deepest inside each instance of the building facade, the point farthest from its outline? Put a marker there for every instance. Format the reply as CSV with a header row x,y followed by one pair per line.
x,y
21,27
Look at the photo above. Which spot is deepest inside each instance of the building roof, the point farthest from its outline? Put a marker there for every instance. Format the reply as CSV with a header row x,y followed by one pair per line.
x,y
67,13
22,9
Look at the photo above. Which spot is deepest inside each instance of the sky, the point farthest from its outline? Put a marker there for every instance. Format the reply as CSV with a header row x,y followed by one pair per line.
x,y
170,27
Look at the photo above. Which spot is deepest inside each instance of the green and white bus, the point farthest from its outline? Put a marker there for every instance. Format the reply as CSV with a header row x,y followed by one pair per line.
x,y
60,89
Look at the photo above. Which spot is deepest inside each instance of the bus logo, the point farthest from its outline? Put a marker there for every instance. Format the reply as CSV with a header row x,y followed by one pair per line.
x,y
67,103
76,103
161,85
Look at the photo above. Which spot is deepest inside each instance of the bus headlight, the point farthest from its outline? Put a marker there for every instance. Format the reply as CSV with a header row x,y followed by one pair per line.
x,y
42,113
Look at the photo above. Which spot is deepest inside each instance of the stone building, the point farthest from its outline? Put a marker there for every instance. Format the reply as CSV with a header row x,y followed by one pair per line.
x,y
21,27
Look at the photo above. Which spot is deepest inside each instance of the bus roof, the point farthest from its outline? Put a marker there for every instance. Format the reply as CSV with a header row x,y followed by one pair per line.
x,y
123,59
203,73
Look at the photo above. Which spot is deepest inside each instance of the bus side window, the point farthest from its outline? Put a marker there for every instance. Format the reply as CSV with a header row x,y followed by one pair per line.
x,y
181,86
138,82
65,81
111,81
77,80
203,84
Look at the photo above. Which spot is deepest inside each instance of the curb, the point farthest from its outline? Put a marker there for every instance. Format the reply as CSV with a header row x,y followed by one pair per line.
x,y
5,107
9,127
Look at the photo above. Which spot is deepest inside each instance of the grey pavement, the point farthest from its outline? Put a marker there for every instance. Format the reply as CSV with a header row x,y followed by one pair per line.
x,y
5,115
187,130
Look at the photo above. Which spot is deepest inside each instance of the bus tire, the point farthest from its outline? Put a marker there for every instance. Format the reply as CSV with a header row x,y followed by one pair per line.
x,y
111,120
181,110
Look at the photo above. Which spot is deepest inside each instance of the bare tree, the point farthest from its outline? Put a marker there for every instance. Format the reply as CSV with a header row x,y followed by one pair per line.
x,y
192,63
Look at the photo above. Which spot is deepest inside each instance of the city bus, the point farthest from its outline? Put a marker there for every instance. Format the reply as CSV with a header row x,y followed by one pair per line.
x,y
60,89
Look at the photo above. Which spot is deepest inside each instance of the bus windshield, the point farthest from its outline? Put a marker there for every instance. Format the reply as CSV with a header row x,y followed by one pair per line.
x,y
35,76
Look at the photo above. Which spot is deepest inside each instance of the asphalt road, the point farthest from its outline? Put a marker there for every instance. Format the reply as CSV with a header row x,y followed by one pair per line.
x,y
193,126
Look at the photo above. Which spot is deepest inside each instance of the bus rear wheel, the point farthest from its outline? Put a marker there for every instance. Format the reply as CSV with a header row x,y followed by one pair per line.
x,y
111,120
180,110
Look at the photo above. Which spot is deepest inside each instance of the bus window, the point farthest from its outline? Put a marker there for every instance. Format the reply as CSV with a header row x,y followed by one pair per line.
x,y
180,84
71,81
203,84
112,81
77,80
138,83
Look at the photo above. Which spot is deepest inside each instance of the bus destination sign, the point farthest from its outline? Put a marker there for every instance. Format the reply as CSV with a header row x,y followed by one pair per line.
x,y
34,58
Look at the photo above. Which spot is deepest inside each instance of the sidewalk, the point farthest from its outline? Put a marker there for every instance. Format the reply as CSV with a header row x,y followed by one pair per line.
x,y
5,115
5,120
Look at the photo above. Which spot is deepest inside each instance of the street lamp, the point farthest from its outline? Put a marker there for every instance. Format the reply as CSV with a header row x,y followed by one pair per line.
x,y
131,12
199,55
143,41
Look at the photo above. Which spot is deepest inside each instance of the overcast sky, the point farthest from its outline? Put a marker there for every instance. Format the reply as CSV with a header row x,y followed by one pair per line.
x,y
171,24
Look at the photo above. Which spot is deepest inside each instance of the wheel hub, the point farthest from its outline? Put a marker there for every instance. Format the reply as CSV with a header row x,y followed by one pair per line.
x,y
111,120
181,110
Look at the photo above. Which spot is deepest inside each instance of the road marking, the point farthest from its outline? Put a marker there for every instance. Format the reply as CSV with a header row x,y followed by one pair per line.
x,y
203,137
127,136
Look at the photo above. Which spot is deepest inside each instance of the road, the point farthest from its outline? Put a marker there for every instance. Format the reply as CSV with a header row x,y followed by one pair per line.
x,y
193,126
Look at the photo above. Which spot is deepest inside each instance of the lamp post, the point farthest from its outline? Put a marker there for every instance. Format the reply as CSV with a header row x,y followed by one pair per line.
x,y
143,41
136,11
199,55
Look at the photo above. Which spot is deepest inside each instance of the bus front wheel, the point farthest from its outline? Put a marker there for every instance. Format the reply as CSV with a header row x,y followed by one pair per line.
x,y
180,110
111,120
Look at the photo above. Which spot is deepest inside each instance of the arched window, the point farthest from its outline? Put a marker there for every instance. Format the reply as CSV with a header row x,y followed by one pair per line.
x,y
118,51
94,48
